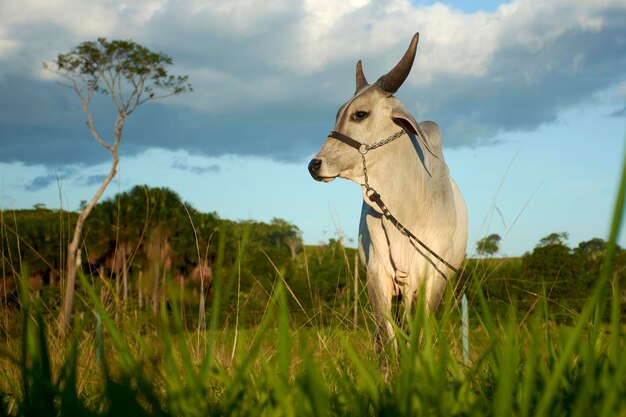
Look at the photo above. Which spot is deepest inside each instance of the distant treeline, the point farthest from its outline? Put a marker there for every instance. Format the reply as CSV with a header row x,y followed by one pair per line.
x,y
146,245
149,245
566,276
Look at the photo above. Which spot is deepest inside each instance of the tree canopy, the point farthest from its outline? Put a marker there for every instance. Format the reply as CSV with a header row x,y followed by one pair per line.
x,y
553,239
127,71
488,245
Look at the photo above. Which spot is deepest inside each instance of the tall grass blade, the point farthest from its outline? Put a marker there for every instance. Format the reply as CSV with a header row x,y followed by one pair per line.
x,y
70,403
594,305
25,344
507,363
368,379
125,355
609,255
528,389
132,394
217,294
284,337
38,387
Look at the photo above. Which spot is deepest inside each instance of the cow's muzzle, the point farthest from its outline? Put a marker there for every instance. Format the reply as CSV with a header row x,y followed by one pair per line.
x,y
315,169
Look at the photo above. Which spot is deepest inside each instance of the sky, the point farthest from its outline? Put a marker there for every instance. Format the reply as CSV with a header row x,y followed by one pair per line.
x,y
530,96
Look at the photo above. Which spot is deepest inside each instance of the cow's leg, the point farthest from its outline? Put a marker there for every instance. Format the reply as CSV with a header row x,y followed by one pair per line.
x,y
380,294
374,253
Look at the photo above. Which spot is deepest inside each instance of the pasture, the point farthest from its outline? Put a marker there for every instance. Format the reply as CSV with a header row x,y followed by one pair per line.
x,y
520,364
116,363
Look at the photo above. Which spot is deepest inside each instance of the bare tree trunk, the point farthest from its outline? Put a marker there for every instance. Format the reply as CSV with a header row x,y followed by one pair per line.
x,y
293,247
73,248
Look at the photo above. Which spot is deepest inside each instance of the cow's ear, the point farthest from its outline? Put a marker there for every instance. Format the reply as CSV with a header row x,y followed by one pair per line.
x,y
403,118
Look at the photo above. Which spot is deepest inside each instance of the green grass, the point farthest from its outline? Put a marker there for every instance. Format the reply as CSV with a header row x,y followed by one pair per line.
x,y
520,364
529,368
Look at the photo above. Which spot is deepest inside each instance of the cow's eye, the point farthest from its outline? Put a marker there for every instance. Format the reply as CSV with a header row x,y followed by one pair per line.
x,y
360,115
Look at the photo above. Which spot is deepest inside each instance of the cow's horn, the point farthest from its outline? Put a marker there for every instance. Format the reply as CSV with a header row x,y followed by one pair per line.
x,y
361,81
394,78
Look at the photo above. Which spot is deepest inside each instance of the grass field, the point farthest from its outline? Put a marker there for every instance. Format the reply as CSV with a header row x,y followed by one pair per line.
x,y
524,367
519,364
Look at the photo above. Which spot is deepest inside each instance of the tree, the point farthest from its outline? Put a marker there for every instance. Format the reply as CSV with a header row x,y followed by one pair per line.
x,y
550,262
131,75
488,245
553,239
594,247
285,233
553,264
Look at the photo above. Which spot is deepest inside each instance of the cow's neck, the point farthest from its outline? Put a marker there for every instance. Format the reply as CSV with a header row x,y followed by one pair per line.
x,y
403,173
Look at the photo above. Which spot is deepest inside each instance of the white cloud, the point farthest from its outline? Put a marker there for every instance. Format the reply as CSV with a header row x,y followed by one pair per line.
x,y
293,61
84,19
140,12
228,18
619,92
7,46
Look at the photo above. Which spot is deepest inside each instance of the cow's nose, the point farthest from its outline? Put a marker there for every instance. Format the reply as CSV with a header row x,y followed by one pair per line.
x,y
314,167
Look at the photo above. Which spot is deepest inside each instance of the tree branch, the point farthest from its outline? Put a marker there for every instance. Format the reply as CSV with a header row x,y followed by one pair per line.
x,y
110,86
139,90
118,79
93,132
155,97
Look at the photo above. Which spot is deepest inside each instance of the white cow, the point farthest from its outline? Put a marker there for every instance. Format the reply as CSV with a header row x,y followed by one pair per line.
x,y
369,146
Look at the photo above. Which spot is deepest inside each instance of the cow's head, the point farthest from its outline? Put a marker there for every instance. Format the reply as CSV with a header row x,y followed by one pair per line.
x,y
371,115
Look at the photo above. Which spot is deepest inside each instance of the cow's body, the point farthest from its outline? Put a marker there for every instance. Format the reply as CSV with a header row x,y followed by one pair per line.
x,y
425,199
412,178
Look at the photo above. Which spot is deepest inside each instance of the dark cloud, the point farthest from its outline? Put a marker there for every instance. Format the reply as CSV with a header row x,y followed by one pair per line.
x,y
185,166
43,181
40,182
50,130
86,180
206,169
523,89
619,113
43,123
254,96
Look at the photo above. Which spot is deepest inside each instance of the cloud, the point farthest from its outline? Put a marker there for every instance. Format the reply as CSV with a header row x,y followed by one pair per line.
x,y
269,77
86,180
41,182
185,165
619,113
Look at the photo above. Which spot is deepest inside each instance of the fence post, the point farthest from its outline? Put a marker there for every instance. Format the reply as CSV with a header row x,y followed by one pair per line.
x,y
356,290
465,329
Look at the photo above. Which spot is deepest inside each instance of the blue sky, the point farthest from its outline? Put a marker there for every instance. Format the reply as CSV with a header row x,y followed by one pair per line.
x,y
530,95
